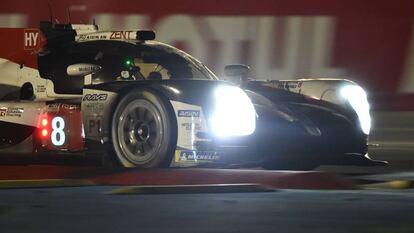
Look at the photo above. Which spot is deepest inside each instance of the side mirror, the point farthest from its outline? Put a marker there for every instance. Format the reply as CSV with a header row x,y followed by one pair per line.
x,y
236,74
82,69
239,70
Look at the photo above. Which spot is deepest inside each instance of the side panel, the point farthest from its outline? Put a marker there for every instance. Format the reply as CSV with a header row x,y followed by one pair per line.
x,y
18,121
192,123
60,128
24,113
41,127
97,107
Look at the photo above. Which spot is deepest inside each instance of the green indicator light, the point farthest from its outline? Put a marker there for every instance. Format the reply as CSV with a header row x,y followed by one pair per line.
x,y
128,62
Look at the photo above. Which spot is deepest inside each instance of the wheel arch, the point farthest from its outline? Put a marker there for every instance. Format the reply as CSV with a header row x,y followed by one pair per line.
x,y
27,91
123,92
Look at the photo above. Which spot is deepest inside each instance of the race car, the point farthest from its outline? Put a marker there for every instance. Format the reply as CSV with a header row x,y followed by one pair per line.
x,y
120,95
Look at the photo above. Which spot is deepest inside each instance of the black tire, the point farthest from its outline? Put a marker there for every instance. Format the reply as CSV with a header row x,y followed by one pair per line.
x,y
143,130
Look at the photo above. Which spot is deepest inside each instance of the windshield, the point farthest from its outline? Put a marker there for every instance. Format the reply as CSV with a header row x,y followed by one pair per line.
x,y
156,61
134,60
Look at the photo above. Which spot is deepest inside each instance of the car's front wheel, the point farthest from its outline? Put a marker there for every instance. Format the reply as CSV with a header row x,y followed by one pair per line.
x,y
143,131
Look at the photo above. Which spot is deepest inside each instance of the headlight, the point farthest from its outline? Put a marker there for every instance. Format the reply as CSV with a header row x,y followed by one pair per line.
x,y
234,113
357,98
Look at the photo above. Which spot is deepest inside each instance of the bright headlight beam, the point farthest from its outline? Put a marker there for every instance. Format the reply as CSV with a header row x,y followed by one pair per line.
x,y
234,113
358,100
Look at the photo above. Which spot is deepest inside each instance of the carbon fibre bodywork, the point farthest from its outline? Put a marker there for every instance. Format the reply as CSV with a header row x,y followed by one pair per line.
x,y
298,129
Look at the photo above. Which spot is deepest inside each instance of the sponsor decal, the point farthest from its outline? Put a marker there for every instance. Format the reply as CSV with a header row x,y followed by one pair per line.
x,y
31,39
289,85
95,97
58,135
94,107
188,113
191,126
92,37
40,88
70,106
55,107
116,35
198,156
94,126
11,112
88,68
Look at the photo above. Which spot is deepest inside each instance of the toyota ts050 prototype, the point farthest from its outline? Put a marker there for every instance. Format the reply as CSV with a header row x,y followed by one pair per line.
x,y
70,88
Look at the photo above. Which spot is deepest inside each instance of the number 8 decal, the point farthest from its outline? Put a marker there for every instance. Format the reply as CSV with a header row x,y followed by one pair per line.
x,y
58,135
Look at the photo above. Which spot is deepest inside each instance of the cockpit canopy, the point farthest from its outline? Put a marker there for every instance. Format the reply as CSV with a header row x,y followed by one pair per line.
x,y
120,61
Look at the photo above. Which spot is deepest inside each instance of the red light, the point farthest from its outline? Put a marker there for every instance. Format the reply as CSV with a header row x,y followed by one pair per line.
x,y
44,132
44,122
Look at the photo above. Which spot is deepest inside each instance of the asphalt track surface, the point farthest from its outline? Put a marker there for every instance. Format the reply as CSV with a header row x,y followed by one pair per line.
x,y
55,198
80,197
94,209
